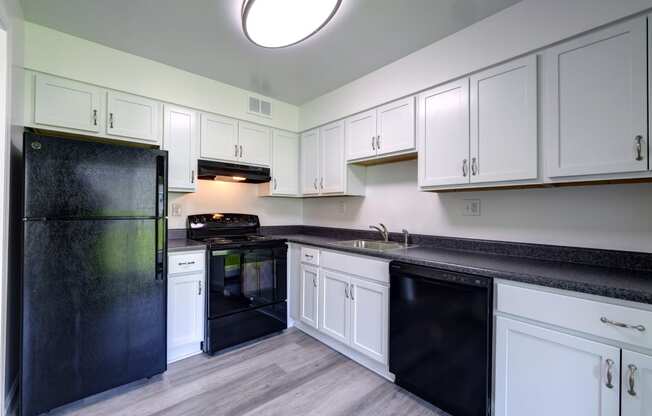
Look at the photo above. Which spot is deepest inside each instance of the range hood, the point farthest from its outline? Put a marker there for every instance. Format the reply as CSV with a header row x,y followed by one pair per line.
x,y
231,172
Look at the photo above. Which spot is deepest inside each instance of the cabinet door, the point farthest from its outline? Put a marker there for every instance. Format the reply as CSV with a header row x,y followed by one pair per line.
x,y
636,384
285,163
180,136
255,144
218,138
335,312
310,162
504,144
596,106
63,103
360,133
540,372
185,315
133,116
333,165
309,296
396,127
443,131
369,319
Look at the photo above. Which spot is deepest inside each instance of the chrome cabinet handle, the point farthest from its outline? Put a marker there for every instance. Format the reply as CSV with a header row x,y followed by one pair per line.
x,y
632,379
199,292
638,148
610,375
315,183
606,321
111,120
309,256
465,167
351,292
346,290
321,183
275,184
373,142
378,142
192,176
95,117
474,166
186,263
236,150
314,281
240,150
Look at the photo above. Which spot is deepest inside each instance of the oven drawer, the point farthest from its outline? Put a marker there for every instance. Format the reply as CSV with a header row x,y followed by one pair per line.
x,y
583,315
186,262
231,330
310,255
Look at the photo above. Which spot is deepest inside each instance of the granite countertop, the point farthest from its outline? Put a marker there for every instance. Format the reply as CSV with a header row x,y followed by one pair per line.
x,y
617,283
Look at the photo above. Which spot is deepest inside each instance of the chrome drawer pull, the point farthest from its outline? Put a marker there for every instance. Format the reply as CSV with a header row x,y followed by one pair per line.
x,y
309,256
639,328
638,148
186,263
632,372
610,375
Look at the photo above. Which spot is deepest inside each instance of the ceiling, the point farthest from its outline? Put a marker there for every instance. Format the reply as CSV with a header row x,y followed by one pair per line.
x,y
205,37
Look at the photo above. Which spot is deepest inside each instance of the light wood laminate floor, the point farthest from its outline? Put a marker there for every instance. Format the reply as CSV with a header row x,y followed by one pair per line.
x,y
289,374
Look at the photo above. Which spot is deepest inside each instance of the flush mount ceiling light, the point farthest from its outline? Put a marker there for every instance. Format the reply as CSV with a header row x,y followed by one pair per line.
x,y
281,23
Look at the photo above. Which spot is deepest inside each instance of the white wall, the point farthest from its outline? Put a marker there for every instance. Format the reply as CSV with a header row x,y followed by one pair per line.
x,y
609,217
60,54
213,196
522,28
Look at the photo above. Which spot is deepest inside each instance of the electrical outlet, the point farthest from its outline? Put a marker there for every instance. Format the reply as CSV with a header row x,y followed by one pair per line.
x,y
342,207
175,210
471,208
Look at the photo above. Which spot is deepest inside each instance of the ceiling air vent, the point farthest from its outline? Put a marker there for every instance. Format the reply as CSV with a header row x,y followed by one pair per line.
x,y
260,107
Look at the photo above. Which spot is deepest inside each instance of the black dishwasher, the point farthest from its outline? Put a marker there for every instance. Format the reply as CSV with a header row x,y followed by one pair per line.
x,y
440,337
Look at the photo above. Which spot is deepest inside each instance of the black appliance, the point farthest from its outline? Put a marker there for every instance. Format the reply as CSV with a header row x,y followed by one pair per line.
x,y
247,276
440,337
231,172
94,269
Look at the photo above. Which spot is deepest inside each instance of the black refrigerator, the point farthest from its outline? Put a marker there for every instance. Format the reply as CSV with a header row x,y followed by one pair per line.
x,y
94,284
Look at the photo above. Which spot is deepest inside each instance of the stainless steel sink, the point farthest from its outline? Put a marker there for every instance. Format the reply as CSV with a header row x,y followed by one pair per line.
x,y
370,244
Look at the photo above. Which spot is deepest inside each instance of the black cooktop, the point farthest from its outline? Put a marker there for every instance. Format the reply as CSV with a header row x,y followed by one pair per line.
x,y
222,230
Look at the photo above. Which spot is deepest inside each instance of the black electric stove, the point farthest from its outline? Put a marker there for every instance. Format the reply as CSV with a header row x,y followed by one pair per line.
x,y
247,279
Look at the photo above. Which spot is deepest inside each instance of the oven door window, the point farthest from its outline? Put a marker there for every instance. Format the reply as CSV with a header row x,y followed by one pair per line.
x,y
242,279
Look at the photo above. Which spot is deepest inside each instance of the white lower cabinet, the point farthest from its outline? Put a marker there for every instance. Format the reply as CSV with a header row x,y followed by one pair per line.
x,y
540,372
309,308
186,310
579,369
344,298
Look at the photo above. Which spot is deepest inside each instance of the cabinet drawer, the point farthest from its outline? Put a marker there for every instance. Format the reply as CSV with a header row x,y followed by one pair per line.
x,y
377,270
588,316
310,255
186,262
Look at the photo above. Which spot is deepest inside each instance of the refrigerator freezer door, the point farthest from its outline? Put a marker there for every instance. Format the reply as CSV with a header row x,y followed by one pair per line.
x,y
94,312
67,178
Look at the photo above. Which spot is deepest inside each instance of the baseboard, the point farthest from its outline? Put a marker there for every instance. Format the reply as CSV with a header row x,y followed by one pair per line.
x,y
10,399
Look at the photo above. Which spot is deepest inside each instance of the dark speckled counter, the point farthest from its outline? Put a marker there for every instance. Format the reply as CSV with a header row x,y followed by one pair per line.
x,y
183,244
632,285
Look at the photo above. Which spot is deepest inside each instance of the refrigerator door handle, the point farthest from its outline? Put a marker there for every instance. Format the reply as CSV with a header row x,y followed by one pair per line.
x,y
160,243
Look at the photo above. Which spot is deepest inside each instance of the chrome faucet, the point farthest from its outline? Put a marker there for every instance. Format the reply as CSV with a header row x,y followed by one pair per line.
x,y
383,231
406,237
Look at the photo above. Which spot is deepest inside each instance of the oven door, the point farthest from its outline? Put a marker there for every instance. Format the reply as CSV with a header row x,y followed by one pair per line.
x,y
244,279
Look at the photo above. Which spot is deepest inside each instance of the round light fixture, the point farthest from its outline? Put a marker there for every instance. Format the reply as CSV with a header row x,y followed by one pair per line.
x,y
281,23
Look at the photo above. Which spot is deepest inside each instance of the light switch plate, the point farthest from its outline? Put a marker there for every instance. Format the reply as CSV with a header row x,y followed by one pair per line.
x,y
175,210
471,208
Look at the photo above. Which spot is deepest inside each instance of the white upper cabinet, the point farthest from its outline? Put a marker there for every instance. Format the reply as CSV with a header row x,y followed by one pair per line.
x,y
333,165
219,138
443,133
255,144
596,105
133,116
63,103
636,384
310,162
395,131
504,144
285,163
361,135
383,131
180,139
577,377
